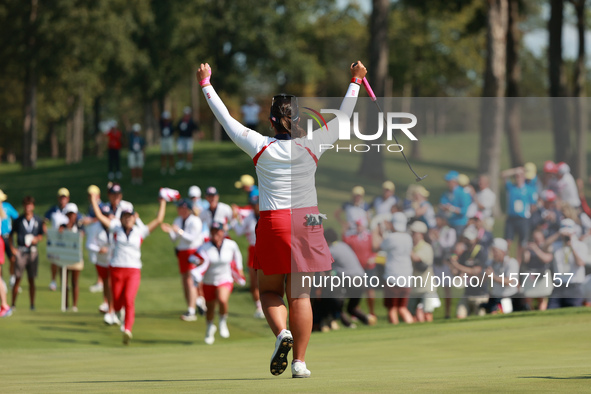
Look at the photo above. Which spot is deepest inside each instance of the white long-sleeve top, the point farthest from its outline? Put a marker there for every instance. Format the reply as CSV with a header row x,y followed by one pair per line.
x,y
191,237
215,265
98,237
247,228
286,168
127,251
222,214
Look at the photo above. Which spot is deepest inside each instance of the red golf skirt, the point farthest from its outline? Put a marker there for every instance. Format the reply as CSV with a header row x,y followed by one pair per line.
x,y
284,244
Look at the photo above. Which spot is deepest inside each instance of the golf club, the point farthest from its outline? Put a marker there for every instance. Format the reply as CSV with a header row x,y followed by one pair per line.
x,y
375,100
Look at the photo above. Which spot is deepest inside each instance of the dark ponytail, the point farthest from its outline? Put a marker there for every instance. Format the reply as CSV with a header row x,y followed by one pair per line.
x,y
285,116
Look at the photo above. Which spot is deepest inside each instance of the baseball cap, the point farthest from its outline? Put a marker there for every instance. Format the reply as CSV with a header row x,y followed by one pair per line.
x,y
418,227
501,244
183,202
187,110
216,226
136,128
93,189
115,189
548,195
106,209
563,168
70,208
470,233
550,167
63,192
165,115
451,176
245,180
358,191
194,192
477,215
127,211
388,185
3,196
211,191
530,170
399,221
463,180
567,226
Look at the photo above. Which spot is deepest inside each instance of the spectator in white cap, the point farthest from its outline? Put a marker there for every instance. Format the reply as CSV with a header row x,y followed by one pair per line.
x,y
71,212
199,204
383,204
567,187
502,276
55,217
568,268
355,212
166,144
470,263
184,143
398,268
135,156
423,300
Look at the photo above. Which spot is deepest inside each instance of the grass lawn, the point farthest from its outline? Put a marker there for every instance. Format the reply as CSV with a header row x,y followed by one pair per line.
x,y
51,351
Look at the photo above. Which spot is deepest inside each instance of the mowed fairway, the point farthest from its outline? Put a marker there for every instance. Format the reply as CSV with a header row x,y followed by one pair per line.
x,y
51,352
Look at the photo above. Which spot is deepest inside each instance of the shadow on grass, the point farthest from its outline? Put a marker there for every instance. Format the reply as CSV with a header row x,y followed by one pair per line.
x,y
557,377
162,342
167,380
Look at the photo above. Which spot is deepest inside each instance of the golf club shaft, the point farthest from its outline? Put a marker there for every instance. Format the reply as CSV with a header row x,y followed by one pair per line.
x,y
375,100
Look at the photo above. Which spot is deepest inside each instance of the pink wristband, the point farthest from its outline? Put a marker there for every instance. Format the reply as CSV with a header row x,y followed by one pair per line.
x,y
204,81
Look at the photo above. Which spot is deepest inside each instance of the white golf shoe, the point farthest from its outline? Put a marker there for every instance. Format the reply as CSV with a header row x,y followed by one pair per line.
x,y
283,345
299,370
210,334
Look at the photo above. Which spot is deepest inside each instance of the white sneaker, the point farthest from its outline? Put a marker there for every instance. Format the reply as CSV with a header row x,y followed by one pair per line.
x,y
115,318
119,175
209,334
75,309
180,164
127,337
111,176
12,281
104,307
96,288
108,318
121,317
201,306
259,314
299,370
224,332
188,166
188,317
171,171
283,345
53,286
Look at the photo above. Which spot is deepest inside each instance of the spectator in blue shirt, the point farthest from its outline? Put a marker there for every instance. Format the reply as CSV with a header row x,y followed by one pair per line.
x,y
455,202
7,215
520,197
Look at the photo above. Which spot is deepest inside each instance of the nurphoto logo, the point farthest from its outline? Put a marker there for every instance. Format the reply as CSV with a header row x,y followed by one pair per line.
x,y
344,127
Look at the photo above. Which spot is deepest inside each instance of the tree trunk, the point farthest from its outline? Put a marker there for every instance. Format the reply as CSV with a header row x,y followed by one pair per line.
x,y
559,108
96,114
513,125
195,97
580,114
372,163
78,128
493,110
30,104
54,141
70,132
